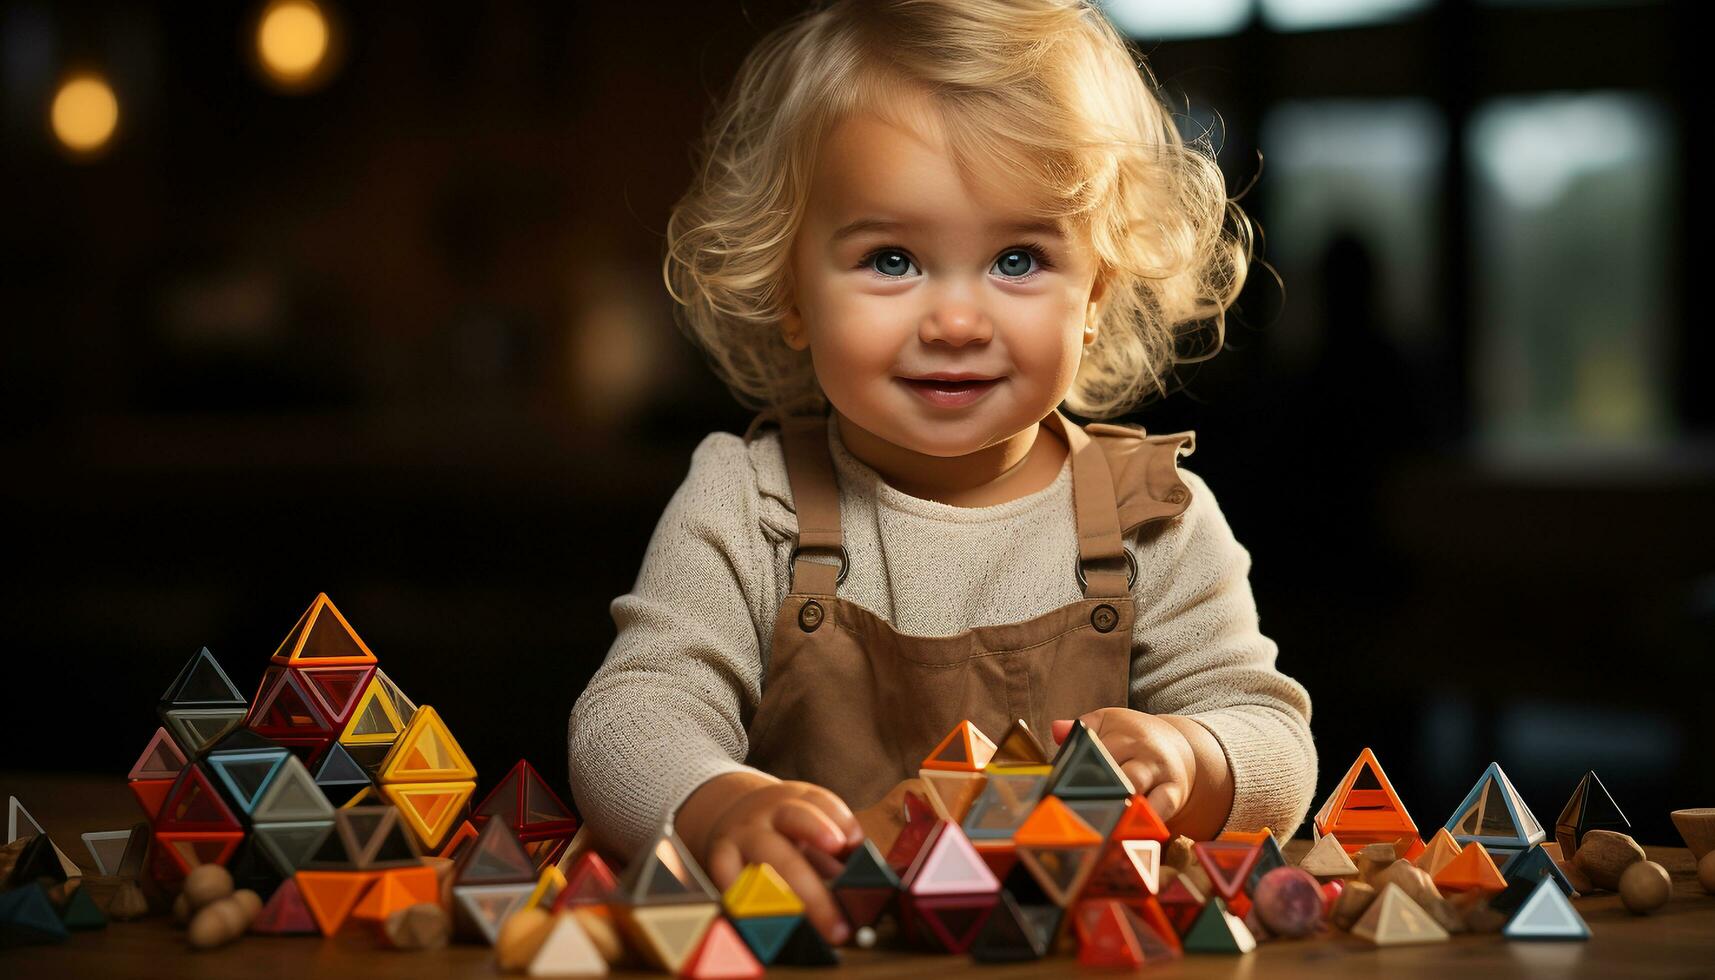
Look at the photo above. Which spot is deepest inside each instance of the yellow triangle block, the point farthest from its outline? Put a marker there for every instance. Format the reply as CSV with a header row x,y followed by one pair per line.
x,y
548,887
426,752
430,809
322,638
760,891
375,721
667,935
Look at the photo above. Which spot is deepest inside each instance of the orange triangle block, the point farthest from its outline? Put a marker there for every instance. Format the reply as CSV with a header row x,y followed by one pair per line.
x,y
1471,870
1364,809
1140,822
331,895
429,809
1251,837
397,889
1053,824
426,752
322,638
965,749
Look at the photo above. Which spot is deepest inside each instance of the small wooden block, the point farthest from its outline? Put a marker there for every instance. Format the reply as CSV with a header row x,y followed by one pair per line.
x,y
425,925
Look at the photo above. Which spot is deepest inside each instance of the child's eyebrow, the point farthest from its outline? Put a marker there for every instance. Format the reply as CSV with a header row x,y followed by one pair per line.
x,y
851,228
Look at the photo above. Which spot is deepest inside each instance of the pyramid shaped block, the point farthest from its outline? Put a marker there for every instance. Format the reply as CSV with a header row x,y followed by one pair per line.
x,y
666,935
947,864
1217,930
1084,769
1228,864
246,775
193,805
1009,936
431,810
767,935
722,955
336,690
1546,914
1006,801
107,848
760,891
197,729
322,638
285,708
1053,824
1470,870
526,802
1364,809
496,858
1018,748
426,752
567,951
1494,815
202,684
965,749
1590,808
481,909
666,874
291,796
285,913
331,895
1393,919
1328,859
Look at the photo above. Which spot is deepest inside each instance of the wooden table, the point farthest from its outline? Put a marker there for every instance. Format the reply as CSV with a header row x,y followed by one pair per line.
x,y
1677,941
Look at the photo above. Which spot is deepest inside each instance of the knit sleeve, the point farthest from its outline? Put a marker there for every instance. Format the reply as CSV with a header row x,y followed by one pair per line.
x,y
668,708
1198,652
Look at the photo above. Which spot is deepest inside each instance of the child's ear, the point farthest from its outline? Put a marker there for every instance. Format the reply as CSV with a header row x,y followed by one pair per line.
x,y
792,329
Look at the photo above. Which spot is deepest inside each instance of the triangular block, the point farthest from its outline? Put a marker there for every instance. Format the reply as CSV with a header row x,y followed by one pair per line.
x,y
161,758
666,874
426,752
760,891
28,918
336,689
196,729
374,720
1182,902
1125,869
1009,936
1216,930
965,749
107,847
81,912
284,707
395,889
322,638
19,823
285,913
567,951
952,792
1327,859
1228,864
1590,808
1140,822
192,804
1006,801
950,923
482,908
1060,871
246,775
431,810
1546,914
36,862
188,849
1268,857
947,864
667,935
291,846
805,947
767,935
589,882
1019,747
202,684
1393,919
338,775
495,858
292,796
1494,815
1440,852
1364,809
1053,824
1085,770
1522,874
866,868
722,955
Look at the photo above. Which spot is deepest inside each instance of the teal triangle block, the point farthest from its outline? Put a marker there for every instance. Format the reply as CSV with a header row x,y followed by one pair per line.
x,y
1522,872
866,868
766,934
246,775
1268,858
202,684
28,918
1546,914
1520,829
1210,932
81,912
338,768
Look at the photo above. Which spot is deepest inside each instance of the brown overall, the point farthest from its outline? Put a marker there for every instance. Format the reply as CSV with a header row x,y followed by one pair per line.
x,y
852,705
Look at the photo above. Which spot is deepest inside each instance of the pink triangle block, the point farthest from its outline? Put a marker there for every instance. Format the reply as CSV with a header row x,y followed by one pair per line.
x,y
948,864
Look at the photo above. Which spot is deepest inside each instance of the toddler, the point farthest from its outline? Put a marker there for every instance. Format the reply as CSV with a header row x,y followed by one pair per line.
x,y
916,229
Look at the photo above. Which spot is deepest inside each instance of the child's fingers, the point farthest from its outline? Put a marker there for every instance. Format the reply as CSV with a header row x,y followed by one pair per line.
x,y
803,822
836,810
819,908
725,863
1060,728
1165,792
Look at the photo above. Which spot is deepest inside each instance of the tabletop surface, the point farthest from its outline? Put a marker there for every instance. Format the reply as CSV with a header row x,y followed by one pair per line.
x,y
1676,941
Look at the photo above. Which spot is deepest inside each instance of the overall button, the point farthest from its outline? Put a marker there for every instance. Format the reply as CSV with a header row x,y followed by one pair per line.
x,y
1104,618
810,616
1176,495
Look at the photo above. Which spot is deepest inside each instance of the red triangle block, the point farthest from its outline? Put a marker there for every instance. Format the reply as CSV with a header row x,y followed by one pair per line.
x,y
336,689
1228,863
722,955
1105,938
591,882
192,805
285,914
151,793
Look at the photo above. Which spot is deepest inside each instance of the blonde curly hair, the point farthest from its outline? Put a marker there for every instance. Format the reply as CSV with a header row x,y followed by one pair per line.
x,y
1044,90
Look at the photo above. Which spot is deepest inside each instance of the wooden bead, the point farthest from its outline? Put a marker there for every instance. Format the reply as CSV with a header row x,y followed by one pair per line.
x,y
206,883
218,923
1354,900
182,910
1604,854
521,935
1644,887
1706,872
127,903
1374,859
1178,854
250,902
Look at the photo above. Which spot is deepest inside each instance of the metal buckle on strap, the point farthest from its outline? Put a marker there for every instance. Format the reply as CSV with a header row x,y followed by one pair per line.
x,y
845,562
1130,571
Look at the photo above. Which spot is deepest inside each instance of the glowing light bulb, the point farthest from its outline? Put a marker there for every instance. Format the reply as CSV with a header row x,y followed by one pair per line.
x,y
292,41
85,113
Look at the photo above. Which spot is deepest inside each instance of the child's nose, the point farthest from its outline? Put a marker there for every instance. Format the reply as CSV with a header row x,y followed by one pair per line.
x,y
957,326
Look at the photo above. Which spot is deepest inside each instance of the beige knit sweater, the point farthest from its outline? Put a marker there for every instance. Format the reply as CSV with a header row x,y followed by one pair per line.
x,y
670,706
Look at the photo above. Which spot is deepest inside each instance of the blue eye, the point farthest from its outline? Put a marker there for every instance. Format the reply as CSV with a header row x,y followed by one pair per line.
x,y
1014,263
880,258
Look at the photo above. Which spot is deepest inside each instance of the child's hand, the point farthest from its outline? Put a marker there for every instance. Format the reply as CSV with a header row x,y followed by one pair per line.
x,y
799,828
1174,762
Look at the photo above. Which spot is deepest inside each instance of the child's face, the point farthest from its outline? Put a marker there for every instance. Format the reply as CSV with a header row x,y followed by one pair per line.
x,y
951,288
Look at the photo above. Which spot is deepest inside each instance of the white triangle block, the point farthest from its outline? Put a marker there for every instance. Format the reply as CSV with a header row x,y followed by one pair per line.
x,y
949,865
567,952
1546,914
1145,856
1393,919
107,847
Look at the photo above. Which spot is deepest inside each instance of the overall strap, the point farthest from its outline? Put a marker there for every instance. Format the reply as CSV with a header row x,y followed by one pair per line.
x,y
816,498
1101,546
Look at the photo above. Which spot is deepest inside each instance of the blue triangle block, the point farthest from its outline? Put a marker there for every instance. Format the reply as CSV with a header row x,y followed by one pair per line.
x,y
1523,872
1546,914
28,918
1494,815
766,934
247,775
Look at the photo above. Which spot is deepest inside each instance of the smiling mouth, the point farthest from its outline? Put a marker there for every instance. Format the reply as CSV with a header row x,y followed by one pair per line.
x,y
943,385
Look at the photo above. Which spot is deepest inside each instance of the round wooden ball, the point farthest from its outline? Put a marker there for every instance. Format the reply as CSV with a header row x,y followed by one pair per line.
x,y
1706,872
205,883
1644,887
250,902
1289,902
217,923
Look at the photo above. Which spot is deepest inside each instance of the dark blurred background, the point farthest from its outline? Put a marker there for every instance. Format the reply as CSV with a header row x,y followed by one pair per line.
x,y
389,324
